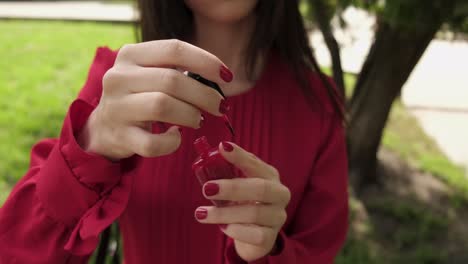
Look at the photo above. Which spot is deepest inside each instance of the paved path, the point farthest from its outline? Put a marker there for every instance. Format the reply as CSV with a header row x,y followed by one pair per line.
x,y
437,92
69,10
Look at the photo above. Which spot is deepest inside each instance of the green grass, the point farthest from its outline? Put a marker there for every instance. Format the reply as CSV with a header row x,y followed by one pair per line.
x,y
395,232
416,225
43,66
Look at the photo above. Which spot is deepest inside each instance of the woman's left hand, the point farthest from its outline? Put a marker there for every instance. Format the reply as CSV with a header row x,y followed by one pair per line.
x,y
258,205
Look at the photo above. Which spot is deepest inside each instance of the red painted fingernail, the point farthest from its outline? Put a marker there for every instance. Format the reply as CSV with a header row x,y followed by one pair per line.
x,y
224,106
225,74
211,189
180,130
227,146
201,213
223,226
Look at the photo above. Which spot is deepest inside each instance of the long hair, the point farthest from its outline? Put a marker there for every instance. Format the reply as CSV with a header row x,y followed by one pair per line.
x,y
279,26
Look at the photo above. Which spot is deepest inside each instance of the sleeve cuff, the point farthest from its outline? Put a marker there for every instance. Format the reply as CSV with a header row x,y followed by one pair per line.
x,y
83,191
72,180
92,170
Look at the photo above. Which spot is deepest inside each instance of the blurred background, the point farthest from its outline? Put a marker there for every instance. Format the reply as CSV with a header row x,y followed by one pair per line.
x,y
403,65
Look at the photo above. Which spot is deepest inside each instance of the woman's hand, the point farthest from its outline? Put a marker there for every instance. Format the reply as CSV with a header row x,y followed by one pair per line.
x,y
258,205
146,85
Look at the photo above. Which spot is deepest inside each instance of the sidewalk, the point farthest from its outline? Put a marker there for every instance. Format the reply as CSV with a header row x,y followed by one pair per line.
x,y
436,93
440,83
70,10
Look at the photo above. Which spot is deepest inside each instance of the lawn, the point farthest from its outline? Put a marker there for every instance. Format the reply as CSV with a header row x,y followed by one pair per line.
x,y
44,65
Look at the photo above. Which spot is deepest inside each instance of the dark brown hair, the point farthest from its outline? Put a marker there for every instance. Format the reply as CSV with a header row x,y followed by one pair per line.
x,y
279,27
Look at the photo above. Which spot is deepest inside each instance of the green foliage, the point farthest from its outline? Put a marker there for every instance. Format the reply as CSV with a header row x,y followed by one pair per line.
x,y
307,8
414,229
416,224
356,251
44,65
417,14
359,247
396,232
459,22
405,14
393,232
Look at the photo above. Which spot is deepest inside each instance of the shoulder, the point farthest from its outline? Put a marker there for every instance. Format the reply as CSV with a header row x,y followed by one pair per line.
x,y
104,59
320,93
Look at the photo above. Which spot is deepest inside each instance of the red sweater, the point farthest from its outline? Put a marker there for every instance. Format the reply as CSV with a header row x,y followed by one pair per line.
x,y
57,210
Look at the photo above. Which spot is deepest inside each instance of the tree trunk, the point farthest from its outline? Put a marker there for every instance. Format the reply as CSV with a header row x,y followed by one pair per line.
x,y
392,58
323,21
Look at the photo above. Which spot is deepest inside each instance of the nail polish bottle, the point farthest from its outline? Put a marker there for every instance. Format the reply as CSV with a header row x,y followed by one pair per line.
x,y
211,165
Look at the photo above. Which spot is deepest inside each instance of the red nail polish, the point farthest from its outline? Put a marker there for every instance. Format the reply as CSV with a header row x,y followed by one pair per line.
x,y
225,74
180,130
224,106
201,213
227,146
211,189
211,165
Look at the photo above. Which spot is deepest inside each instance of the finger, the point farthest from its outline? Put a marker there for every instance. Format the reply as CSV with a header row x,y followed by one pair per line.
x,y
247,162
264,215
247,189
176,84
178,54
260,236
161,107
147,144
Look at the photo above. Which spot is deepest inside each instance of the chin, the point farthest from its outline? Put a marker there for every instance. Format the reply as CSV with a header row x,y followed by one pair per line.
x,y
222,11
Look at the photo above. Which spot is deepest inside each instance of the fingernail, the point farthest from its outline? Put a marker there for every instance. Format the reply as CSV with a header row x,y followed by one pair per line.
x,y
227,146
222,226
201,213
225,74
211,189
180,130
224,106
202,120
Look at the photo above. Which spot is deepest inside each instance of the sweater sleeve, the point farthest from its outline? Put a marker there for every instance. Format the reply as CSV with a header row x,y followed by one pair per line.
x,y
67,197
319,227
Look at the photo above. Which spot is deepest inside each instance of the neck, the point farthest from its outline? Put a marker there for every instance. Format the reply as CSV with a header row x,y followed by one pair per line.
x,y
228,41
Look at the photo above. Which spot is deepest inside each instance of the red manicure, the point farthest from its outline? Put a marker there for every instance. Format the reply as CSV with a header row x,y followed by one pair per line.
x,y
227,146
211,189
201,213
224,107
225,74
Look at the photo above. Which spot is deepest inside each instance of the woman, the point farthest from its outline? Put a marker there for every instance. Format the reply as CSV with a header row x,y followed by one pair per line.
x,y
117,157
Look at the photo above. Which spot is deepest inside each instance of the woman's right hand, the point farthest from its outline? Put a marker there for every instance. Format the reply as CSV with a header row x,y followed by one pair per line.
x,y
146,85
